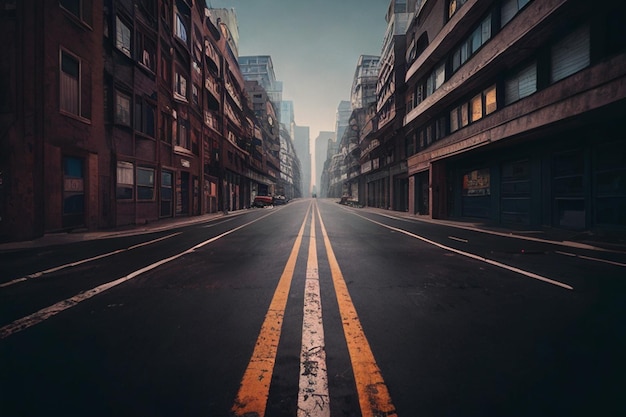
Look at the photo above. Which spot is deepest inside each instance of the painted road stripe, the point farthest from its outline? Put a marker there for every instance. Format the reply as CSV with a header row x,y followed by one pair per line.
x,y
589,258
46,313
458,239
313,398
471,255
82,261
253,392
374,398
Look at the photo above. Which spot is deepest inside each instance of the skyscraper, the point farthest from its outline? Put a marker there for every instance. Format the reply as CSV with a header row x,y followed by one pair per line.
x,y
321,147
260,68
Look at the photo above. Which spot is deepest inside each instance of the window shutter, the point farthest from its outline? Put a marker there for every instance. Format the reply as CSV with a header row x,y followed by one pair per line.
x,y
509,9
571,54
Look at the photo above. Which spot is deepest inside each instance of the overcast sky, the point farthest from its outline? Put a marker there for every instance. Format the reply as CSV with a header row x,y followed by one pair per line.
x,y
314,45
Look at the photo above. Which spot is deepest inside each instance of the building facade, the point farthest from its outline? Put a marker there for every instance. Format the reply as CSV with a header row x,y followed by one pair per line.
x,y
321,149
302,144
122,112
513,112
383,157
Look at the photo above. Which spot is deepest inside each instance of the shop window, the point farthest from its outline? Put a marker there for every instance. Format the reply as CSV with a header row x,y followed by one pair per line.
x,y
571,54
123,37
145,183
610,184
125,181
69,88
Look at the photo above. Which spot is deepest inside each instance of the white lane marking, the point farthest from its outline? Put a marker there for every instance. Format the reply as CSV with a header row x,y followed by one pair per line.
x,y
46,313
218,223
82,261
458,239
589,258
471,255
313,398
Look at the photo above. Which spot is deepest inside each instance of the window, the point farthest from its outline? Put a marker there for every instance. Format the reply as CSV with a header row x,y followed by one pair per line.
x,y
166,127
491,103
81,9
483,104
453,6
479,106
125,181
180,29
166,68
180,87
521,85
182,135
145,50
144,116
69,84
509,9
571,54
435,80
122,37
166,193
470,46
194,94
145,183
122,108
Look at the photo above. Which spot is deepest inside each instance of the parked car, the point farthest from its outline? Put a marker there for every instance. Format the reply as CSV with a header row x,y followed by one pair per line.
x,y
280,199
262,201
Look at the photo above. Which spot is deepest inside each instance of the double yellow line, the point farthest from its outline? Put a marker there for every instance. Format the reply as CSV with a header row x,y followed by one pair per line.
x,y
374,398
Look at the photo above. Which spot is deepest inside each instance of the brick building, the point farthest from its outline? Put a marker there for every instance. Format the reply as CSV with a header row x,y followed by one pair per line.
x,y
117,112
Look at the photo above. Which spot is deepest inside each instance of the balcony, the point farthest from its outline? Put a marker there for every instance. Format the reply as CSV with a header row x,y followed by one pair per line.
x,y
212,120
213,87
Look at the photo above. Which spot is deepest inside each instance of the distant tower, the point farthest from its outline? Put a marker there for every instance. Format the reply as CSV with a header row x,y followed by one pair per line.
x,y
342,117
321,147
301,140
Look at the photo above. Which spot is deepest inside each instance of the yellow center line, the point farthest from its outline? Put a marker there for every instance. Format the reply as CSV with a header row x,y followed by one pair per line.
x,y
374,397
253,392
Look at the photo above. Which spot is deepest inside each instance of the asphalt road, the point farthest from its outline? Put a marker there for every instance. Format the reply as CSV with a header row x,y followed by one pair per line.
x,y
312,309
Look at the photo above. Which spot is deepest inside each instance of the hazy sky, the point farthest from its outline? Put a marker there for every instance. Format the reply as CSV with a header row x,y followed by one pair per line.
x,y
314,45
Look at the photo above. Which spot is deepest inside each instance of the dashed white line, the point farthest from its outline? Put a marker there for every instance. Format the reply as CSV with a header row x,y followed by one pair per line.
x,y
458,239
589,258
473,256
46,313
82,261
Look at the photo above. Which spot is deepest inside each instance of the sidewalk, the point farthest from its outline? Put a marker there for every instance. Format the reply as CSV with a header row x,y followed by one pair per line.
x,y
613,240
80,235
595,240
